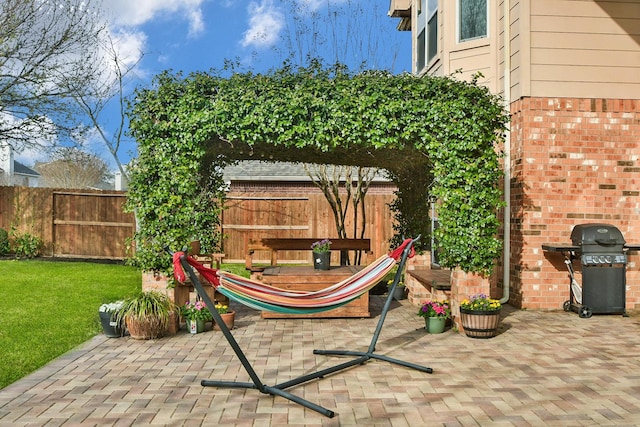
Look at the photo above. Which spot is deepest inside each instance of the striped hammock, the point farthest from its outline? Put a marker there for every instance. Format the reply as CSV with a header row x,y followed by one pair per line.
x,y
260,296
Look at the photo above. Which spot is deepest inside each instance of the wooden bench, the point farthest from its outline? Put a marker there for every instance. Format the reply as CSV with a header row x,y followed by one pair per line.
x,y
433,279
426,283
299,244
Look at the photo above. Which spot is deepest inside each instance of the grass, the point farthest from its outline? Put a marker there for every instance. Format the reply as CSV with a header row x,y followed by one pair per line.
x,y
49,308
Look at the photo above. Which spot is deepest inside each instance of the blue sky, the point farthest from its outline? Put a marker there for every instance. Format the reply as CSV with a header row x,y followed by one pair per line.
x,y
198,35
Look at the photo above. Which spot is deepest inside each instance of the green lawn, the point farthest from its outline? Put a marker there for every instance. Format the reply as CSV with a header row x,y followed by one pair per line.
x,y
48,308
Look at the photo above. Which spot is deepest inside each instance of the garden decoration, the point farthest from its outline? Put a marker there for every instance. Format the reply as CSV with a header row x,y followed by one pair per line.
x,y
480,316
255,295
435,314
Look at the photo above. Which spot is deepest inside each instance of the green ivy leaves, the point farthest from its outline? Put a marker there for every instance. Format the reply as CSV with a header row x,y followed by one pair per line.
x,y
437,136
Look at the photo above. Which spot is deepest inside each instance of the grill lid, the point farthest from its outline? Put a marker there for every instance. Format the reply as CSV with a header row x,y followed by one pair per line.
x,y
602,235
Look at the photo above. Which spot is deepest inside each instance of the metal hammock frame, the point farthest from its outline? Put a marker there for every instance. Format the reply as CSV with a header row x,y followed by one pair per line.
x,y
360,357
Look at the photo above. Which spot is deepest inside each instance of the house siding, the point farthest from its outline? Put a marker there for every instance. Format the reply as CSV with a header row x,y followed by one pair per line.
x,y
574,74
585,48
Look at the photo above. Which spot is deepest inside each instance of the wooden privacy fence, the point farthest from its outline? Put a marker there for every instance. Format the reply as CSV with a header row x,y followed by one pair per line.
x,y
82,224
253,216
92,224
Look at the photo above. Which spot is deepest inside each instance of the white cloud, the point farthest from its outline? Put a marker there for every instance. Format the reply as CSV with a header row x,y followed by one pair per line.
x,y
132,13
266,21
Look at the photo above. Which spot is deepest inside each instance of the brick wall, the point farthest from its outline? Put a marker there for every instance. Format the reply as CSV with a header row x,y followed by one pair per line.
x,y
573,161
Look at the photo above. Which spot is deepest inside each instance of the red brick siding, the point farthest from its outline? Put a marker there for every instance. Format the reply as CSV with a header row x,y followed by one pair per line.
x,y
573,161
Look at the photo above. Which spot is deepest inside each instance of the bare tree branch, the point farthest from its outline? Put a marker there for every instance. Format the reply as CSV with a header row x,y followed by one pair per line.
x,y
43,45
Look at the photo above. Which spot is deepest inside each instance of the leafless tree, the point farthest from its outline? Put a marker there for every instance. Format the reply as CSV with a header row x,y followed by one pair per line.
x,y
73,168
43,46
111,73
328,179
345,32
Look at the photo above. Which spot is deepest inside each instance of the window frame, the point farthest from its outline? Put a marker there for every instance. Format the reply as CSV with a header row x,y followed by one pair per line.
x,y
459,23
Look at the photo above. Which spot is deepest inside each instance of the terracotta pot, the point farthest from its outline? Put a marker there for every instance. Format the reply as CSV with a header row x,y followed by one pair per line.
x,y
228,319
146,329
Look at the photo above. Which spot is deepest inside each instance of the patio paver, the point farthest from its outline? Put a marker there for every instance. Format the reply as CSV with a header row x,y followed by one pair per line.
x,y
544,368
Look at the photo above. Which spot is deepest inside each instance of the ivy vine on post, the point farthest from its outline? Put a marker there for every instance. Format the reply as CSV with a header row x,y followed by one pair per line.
x,y
437,136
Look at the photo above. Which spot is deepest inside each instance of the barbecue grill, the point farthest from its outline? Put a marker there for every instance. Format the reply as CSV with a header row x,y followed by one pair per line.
x,y
601,249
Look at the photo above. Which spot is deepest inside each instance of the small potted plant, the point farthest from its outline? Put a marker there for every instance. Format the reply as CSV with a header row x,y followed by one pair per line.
x,y
480,316
228,316
321,254
110,326
435,314
147,315
196,314
399,293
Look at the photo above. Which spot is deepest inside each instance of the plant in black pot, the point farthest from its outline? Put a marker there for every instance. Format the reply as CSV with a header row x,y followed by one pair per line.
x,y
399,292
321,254
110,326
147,315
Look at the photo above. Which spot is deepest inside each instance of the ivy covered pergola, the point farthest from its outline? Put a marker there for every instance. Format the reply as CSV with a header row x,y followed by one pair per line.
x,y
436,136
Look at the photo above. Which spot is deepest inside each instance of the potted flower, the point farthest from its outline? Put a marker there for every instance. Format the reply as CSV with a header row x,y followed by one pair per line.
x,y
228,316
107,313
399,293
435,314
321,254
147,315
196,314
480,316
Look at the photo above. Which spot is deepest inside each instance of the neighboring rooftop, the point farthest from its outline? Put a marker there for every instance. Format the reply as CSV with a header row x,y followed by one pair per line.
x,y
258,170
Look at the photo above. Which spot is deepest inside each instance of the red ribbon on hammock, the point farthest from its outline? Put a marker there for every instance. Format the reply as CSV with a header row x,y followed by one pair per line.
x,y
210,274
397,252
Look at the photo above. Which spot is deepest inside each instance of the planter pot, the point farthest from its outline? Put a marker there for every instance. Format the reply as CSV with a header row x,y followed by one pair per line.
x,y
144,329
399,293
321,260
479,324
228,319
435,325
111,329
195,326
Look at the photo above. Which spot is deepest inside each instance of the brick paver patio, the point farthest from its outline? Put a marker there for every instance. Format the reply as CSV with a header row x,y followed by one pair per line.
x,y
543,369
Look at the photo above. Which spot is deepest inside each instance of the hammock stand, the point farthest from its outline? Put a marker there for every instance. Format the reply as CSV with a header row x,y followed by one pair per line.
x,y
279,389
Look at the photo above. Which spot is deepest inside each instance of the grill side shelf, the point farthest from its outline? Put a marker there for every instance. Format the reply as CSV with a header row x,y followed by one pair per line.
x,y
563,248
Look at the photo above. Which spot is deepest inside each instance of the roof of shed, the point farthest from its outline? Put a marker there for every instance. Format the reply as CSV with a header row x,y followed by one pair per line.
x,y
258,170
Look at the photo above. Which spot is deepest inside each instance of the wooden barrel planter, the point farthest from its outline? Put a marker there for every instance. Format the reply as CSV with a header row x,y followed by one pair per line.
x,y
479,324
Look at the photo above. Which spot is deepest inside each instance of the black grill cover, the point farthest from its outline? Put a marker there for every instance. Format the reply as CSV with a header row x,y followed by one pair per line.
x,y
597,238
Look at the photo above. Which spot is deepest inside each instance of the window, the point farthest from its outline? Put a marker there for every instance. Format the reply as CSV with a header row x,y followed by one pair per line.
x,y
427,32
432,29
472,19
421,49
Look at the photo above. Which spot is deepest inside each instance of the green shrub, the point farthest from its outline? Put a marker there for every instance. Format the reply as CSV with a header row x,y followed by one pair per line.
x,y
4,242
26,245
